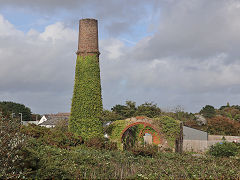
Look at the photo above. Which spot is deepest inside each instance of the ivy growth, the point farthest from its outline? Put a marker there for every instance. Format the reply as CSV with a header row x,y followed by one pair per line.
x,y
115,130
169,127
87,100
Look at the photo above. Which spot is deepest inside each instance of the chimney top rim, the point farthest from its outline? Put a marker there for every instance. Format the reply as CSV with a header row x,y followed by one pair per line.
x,y
88,19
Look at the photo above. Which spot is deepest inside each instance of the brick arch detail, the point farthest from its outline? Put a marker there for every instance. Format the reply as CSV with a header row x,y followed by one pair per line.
x,y
157,139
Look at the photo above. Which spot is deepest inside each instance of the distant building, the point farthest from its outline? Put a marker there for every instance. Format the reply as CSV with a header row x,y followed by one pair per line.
x,y
199,141
51,120
25,123
194,134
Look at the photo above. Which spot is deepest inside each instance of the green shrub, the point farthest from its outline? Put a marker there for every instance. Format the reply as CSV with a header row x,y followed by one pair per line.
x,y
110,146
50,162
60,139
224,149
11,143
148,150
55,136
87,100
101,143
96,142
34,130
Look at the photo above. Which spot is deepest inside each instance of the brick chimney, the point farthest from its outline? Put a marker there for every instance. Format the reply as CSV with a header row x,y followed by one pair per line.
x,y
88,37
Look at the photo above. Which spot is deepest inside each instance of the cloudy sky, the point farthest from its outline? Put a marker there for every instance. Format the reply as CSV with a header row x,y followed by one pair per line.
x,y
171,52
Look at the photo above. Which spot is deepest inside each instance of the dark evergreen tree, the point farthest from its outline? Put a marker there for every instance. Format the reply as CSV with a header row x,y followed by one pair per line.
x,y
126,111
8,108
208,111
148,109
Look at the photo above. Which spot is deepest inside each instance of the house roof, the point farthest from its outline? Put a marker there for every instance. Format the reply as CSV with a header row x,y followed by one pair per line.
x,y
57,115
53,120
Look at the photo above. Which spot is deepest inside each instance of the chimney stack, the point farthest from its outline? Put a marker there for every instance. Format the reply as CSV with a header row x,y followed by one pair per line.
x,y
87,97
88,37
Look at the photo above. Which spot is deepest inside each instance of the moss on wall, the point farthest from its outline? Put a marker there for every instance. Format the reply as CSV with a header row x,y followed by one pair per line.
x,y
87,100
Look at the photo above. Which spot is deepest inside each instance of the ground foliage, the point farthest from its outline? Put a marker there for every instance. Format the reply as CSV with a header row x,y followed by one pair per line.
x,y
84,163
87,100
11,144
101,143
42,159
145,150
57,137
225,149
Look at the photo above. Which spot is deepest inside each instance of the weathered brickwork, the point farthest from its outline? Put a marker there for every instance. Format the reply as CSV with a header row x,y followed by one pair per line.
x,y
88,37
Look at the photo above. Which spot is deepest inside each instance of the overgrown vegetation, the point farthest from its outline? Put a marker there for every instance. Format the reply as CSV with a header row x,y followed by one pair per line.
x,y
225,149
168,126
12,141
46,155
87,101
57,137
147,150
222,121
101,143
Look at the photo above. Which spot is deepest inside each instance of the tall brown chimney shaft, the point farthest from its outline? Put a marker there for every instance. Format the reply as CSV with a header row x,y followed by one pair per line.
x,y
88,37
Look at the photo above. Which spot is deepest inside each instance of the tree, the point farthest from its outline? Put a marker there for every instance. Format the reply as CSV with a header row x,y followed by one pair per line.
x,y
148,109
7,108
110,116
223,126
208,111
126,111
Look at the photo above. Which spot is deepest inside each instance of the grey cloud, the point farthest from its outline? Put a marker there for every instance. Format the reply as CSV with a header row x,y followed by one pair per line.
x,y
34,64
192,60
195,29
118,16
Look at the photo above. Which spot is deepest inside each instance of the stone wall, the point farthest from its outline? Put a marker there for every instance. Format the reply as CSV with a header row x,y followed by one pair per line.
x,y
195,145
204,145
220,137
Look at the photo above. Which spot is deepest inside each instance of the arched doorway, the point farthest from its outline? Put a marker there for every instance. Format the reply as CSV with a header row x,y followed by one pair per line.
x,y
140,133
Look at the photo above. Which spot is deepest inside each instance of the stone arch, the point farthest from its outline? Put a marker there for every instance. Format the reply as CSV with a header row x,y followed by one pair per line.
x,y
158,138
